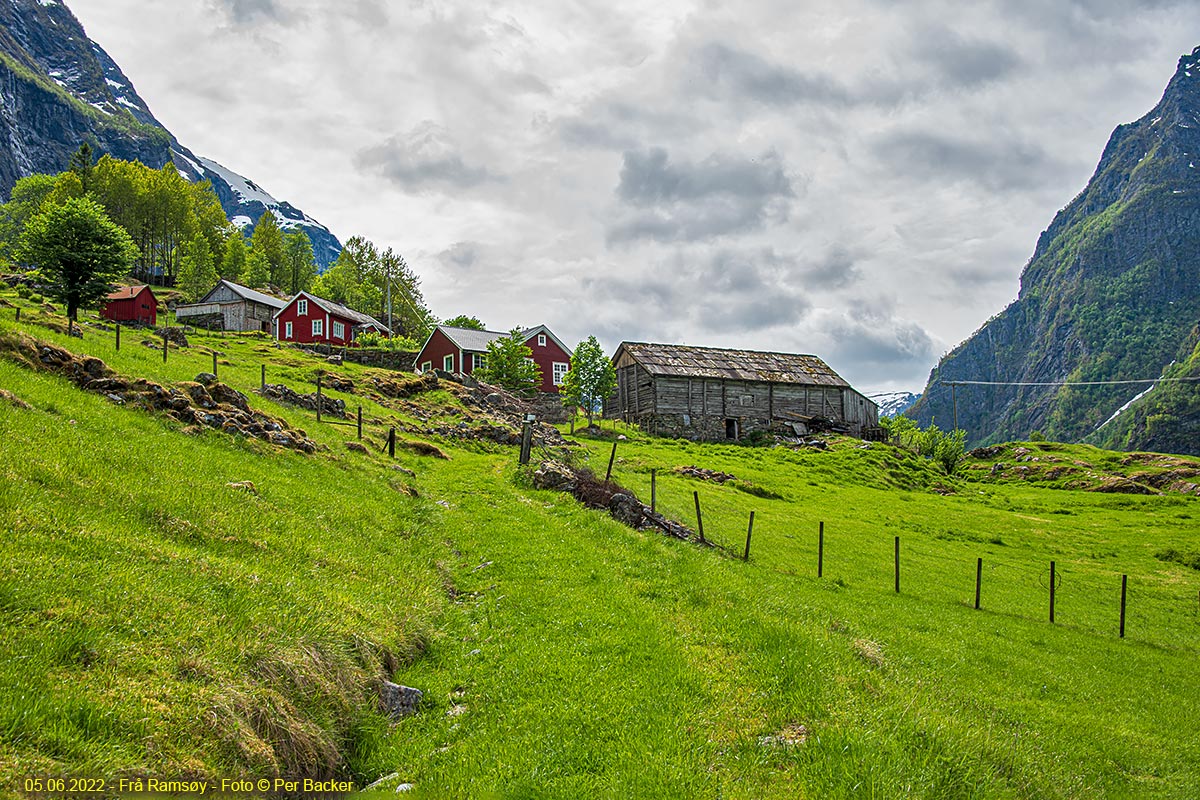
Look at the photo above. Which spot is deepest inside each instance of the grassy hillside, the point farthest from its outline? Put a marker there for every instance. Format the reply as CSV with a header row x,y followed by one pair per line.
x,y
158,621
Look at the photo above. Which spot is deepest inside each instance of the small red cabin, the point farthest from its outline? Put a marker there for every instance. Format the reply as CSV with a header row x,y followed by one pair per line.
x,y
463,350
307,318
131,304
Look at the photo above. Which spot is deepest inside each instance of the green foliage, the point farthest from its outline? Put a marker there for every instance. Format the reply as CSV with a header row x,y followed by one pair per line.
x,y
381,342
82,165
258,271
197,272
267,240
78,250
360,278
509,363
300,266
160,210
26,201
233,261
463,321
590,379
945,448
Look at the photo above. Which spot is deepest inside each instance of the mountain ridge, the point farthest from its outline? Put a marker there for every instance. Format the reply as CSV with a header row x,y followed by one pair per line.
x,y
58,89
1110,293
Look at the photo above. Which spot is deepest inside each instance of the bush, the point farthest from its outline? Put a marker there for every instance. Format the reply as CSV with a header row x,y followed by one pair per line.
x,y
945,447
24,291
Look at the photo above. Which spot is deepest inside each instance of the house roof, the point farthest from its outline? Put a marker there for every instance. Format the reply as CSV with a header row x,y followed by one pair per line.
x,y
358,318
126,292
345,312
470,339
743,365
249,294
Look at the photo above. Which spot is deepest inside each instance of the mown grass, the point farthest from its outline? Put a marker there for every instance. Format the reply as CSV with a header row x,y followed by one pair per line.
x,y
157,621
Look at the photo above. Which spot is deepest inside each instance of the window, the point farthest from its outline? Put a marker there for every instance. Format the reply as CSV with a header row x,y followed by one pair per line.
x,y
426,366
339,330
287,330
318,327
478,361
448,364
541,340
302,307
560,371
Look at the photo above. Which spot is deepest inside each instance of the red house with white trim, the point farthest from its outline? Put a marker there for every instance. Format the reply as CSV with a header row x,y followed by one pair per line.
x,y
131,304
310,319
463,350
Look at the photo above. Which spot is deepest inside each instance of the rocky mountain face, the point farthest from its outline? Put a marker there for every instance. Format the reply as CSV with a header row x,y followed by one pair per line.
x,y
58,89
1111,293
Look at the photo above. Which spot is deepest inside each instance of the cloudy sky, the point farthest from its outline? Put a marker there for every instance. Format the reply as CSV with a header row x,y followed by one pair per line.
x,y
860,179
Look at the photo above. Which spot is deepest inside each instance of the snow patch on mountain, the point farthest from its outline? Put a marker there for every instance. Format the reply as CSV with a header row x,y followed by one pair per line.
x,y
893,404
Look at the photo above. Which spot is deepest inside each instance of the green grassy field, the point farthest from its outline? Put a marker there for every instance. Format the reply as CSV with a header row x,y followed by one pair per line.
x,y
155,621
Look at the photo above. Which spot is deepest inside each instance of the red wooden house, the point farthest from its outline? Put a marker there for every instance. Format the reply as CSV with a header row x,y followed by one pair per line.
x,y
463,350
307,318
131,304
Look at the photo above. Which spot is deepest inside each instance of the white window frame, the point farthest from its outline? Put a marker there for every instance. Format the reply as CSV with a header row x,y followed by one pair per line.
x,y
541,340
426,366
448,363
287,330
302,308
318,327
478,361
560,369
339,330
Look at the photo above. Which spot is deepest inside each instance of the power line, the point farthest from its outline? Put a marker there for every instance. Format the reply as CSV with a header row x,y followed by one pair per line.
x,y
1068,383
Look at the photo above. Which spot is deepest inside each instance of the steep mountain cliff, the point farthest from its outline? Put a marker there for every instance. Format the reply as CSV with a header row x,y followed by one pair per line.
x,y
1112,292
58,89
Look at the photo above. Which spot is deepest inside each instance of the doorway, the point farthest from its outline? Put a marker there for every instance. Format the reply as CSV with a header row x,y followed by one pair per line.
x,y
731,429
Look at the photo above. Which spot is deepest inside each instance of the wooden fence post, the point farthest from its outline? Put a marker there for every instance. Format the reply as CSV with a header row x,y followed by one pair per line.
x,y
360,423
1052,576
749,531
699,519
821,550
526,440
18,313
978,579
1124,584
611,457
391,443
318,397
164,345
897,565
262,380
214,363
653,490
118,337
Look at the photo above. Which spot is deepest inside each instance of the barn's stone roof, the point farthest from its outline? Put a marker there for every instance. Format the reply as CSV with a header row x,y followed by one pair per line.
x,y
718,362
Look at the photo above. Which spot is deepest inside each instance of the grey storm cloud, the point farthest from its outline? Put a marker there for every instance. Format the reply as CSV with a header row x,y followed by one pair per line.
x,y
738,72
962,61
424,158
869,335
460,255
999,164
699,200
729,290
247,11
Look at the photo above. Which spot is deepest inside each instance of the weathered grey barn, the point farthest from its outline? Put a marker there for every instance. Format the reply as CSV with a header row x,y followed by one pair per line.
x,y
712,393
232,307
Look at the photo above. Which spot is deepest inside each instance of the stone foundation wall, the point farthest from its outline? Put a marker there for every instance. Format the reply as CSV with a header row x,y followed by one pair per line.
x,y
399,360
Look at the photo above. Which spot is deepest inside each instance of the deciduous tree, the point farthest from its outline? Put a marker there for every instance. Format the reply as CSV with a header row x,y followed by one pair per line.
x,y
590,379
509,363
78,250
